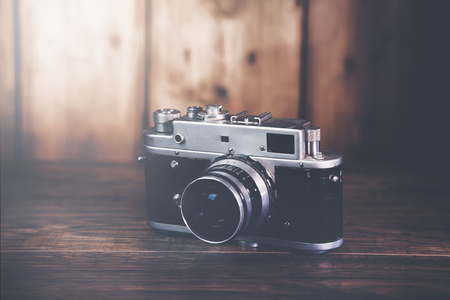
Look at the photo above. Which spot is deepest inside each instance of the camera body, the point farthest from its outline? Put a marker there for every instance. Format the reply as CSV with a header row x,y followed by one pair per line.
x,y
254,179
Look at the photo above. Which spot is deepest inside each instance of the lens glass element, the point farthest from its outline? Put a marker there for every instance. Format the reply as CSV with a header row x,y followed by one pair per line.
x,y
211,210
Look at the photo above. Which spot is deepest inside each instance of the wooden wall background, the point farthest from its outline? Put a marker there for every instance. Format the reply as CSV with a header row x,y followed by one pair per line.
x,y
79,79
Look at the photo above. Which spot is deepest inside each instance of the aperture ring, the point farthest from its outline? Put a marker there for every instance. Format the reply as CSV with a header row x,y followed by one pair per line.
x,y
263,184
245,197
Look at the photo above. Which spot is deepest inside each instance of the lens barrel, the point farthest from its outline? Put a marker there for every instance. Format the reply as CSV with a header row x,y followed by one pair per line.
x,y
233,196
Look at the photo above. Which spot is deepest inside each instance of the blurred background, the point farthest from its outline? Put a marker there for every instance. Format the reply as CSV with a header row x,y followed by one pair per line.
x,y
80,79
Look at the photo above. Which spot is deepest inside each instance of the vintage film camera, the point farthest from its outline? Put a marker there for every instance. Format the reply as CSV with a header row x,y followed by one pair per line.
x,y
254,179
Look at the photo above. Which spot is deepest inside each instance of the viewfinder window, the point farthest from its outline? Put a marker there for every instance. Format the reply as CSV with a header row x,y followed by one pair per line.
x,y
280,143
224,139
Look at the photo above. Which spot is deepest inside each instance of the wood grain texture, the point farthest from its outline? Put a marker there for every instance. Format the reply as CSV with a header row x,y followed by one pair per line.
x,y
242,54
337,69
221,276
375,76
7,82
78,231
82,79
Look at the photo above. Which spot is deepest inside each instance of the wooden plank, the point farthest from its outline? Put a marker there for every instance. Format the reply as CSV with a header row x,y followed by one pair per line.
x,y
221,276
376,73
101,208
395,213
242,54
83,79
405,85
7,81
336,77
78,231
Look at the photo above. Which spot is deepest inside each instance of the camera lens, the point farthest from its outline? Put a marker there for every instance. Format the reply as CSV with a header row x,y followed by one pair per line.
x,y
212,209
232,196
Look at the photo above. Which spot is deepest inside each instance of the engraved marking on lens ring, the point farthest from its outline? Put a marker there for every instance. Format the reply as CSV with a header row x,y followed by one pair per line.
x,y
259,181
237,197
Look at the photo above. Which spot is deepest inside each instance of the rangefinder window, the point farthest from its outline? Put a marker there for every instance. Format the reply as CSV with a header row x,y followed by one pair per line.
x,y
280,143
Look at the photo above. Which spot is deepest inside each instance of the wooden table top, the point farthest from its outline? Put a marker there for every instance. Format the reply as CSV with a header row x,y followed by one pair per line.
x,y
79,232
